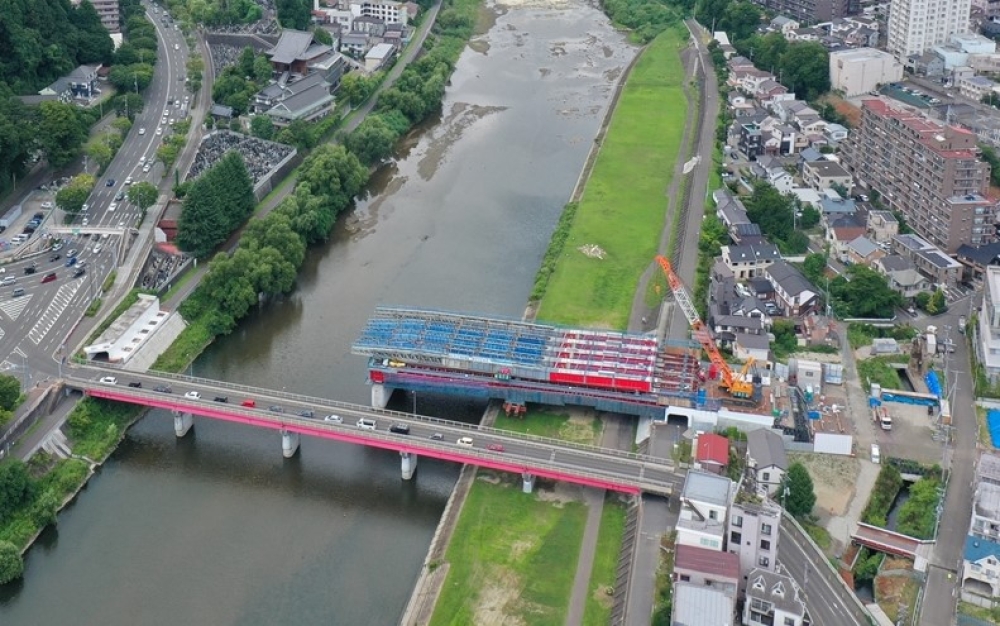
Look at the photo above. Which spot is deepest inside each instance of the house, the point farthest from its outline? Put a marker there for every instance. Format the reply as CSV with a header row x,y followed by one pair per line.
x,y
748,234
355,44
378,57
704,503
976,259
836,132
221,112
863,250
711,453
981,572
929,260
841,231
824,174
729,209
772,598
808,156
81,83
784,25
751,140
753,533
902,275
748,261
766,459
794,293
707,568
757,347
832,207
728,326
308,105
882,226
697,605
369,25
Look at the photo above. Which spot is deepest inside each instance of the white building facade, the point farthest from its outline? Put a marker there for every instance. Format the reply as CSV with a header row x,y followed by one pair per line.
x,y
859,71
917,25
988,341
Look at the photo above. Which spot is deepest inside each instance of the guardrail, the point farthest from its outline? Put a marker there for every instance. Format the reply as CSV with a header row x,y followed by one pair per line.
x,y
358,408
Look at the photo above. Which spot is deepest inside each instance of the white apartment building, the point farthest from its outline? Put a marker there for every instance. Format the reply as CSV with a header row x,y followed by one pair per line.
x,y
861,70
981,556
388,11
704,503
917,25
753,534
988,344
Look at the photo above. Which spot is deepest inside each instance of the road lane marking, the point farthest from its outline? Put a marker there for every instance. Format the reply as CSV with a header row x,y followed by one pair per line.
x,y
54,311
15,306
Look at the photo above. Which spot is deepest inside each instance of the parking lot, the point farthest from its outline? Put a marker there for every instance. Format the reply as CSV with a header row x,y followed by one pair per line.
x,y
912,436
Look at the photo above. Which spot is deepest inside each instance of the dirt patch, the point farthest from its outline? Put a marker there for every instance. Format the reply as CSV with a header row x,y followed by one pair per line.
x,y
497,601
486,477
893,592
896,563
560,494
579,429
604,596
845,108
833,479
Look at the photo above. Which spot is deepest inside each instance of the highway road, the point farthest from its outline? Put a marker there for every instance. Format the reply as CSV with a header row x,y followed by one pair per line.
x,y
34,325
827,598
427,435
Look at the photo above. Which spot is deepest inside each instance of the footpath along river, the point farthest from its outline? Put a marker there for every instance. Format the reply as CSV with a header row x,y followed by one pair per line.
x,y
217,528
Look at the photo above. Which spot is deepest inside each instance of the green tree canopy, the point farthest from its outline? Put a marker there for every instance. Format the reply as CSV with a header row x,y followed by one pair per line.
x,y
16,487
805,69
864,293
60,133
10,391
814,267
262,126
11,563
797,491
216,204
72,197
372,140
143,194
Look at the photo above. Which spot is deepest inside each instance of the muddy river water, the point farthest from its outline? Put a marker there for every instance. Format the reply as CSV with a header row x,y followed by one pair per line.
x,y
218,528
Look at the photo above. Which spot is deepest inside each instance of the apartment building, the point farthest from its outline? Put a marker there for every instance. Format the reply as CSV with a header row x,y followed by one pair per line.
x,y
981,556
753,534
928,172
108,11
917,25
811,11
704,504
856,72
773,599
988,344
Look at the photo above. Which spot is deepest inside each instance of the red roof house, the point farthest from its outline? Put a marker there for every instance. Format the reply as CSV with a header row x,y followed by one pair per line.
x,y
712,452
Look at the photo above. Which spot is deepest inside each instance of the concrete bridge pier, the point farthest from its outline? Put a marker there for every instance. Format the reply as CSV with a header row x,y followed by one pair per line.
x,y
182,423
527,482
380,395
408,464
289,444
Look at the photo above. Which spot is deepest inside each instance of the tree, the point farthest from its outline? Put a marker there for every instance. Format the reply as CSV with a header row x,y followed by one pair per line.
x,y
772,211
99,151
294,13
11,563
864,293
372,140
805,69
938,303
355,88
128,105
323,36
990,156
810,217
15,487
814,267
143,195
60,133
797,491
44,509
72,197
740,19
218,201
262,69
261,126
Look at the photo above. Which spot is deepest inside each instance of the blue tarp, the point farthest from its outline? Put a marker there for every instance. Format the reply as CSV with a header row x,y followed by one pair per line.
x,y
993,423
874,402
933,384
814,415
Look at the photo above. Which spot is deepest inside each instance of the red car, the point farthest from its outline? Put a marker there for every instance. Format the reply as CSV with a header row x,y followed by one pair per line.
x,y
249,403
49,278
495,447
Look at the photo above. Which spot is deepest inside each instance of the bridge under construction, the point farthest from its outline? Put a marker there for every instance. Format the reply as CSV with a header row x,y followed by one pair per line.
x,y
521,362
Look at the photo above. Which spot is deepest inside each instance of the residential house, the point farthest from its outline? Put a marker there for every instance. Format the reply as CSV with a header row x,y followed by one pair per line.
x,y
704,502
747,346
863,251
976,259
711,453
761,288
808,156
981,572
749,261
927,64
902,275
772,170
841,231
748,234
988,345
696,605
707,568
355,44
740,104
784,25
882,226
795,294
751,140
832,207
836,133
822,175
772,598
804,34
727,327
766,460
753,533
729,209
932,262
369,25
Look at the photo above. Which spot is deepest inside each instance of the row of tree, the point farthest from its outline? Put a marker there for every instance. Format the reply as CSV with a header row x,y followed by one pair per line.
x,y
238,83
272,248
775,213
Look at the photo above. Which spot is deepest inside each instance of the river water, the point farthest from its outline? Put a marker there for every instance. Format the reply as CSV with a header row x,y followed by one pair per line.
x,y
218,528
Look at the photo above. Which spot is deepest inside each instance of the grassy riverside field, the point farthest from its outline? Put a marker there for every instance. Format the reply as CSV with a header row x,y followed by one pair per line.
x,y
501,564
623,205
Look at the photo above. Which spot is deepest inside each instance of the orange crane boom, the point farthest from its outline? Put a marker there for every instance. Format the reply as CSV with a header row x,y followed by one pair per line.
x,y
739,387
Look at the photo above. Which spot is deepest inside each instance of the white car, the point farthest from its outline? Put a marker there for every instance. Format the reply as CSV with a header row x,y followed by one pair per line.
x,y
336,419
46,205
112,206
465,442
109,380
85,221
142,159
193,395
128,181
177,47
97,249
145,168
121,223
159,130
85,207
142,131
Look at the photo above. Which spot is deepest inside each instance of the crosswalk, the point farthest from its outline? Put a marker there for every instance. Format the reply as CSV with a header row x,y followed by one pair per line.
x,y
52,313
12,308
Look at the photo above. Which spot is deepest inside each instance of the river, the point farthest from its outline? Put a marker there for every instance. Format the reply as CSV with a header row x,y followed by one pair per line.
x,y
218,528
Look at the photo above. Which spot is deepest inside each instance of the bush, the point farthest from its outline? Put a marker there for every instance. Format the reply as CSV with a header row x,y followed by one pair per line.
x,y
11,563
918,515
884,493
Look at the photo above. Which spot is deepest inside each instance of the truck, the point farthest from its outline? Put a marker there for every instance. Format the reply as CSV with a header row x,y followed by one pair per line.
x,y
961,324
881,417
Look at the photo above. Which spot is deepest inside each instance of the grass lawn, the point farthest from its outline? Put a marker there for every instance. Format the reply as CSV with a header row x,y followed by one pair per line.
x,y
978,612
555,424
602,576
624,204
512,559
879,370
